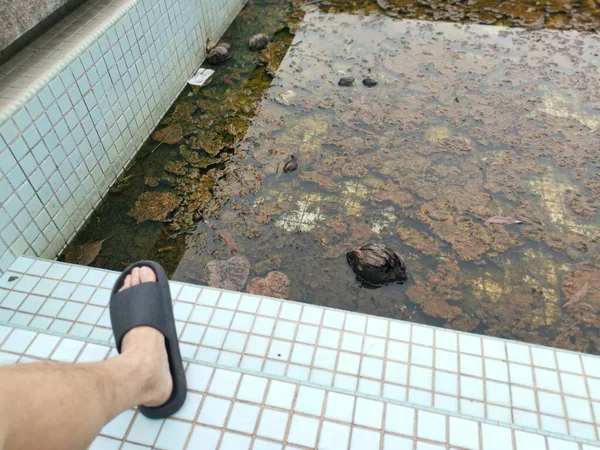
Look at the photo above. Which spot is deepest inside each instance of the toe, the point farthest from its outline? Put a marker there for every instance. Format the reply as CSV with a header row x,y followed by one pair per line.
x,y
135,276
147,275
126,283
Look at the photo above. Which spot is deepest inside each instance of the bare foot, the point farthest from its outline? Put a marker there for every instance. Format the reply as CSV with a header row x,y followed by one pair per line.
x,y
146,346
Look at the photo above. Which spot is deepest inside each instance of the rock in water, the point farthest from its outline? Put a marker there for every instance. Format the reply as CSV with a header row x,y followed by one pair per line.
x,y
291,165
370,82
258,42
346,81
275,284
230,274
217,54
377,264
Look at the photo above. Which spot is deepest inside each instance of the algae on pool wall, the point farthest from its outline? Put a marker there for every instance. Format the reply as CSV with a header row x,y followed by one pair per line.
x,y
463,125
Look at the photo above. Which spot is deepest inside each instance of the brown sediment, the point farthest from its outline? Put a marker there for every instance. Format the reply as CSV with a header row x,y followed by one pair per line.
x,y
395,194
433,293
176,167
266,211
419,240
154,206
582,205
468,239
557,14
322,180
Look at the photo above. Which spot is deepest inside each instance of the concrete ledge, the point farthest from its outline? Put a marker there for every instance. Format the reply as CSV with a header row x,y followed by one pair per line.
x,y
25,20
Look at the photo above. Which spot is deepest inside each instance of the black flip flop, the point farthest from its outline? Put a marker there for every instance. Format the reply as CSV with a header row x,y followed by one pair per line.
x,y
149,304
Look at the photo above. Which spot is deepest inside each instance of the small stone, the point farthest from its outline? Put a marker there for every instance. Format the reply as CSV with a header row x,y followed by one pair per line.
x,y
370,82
346,81
258,42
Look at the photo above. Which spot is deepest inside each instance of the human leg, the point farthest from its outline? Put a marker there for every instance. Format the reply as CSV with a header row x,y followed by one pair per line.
x,y
64,406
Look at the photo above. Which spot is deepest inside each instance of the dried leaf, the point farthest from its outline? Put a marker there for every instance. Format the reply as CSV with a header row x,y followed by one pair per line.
x,y
579,295
171,134
275,284
84,254
229,239
503,220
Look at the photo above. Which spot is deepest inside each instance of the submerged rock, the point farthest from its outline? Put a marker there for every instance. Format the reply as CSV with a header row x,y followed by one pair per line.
x,y
377,264
258,42
291,165
275,284
229,274
346,81
217,54
370,82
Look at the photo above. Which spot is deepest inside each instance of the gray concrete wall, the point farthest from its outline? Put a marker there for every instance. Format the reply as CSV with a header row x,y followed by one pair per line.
x,y
21,21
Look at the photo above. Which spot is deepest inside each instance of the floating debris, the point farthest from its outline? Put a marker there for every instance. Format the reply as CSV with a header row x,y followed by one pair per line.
x,y
258,42
346,81
154,206
275,284
377,264
12,278
502,220
285,97
228,81
229,274
200,77
291,165
370,82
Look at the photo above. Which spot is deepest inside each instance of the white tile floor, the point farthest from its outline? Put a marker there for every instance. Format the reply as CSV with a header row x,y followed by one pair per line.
x,y
269,373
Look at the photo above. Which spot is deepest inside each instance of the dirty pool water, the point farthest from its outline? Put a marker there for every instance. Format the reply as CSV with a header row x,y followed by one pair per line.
x,y
467,122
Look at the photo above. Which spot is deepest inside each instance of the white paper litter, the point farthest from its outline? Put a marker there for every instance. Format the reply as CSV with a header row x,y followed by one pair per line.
x,y
200,77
